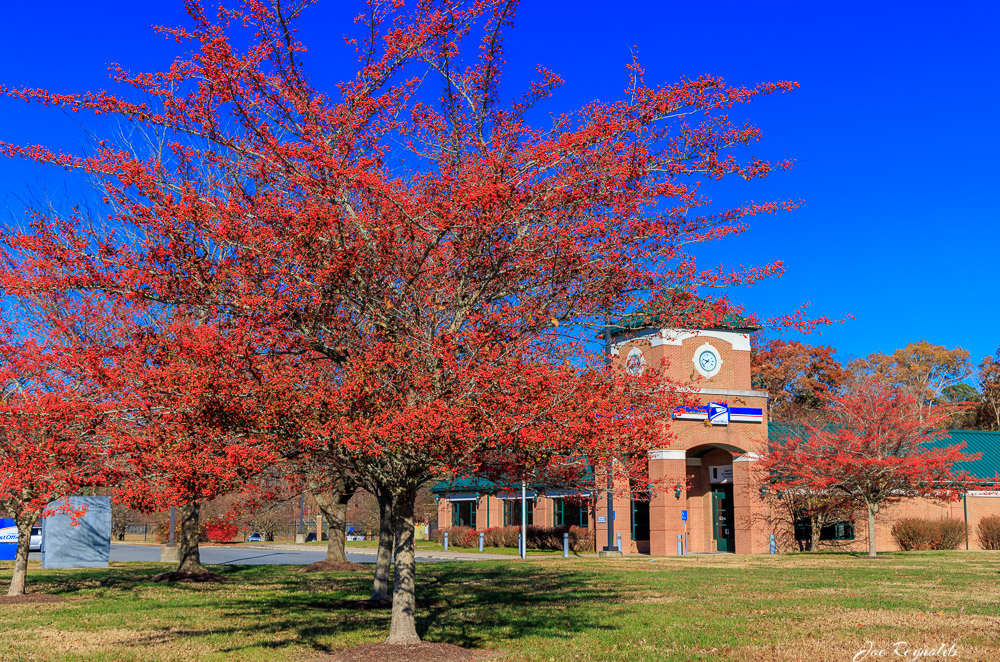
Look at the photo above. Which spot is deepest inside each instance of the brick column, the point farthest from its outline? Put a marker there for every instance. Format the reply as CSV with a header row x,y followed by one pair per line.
x,y
444,513
667,469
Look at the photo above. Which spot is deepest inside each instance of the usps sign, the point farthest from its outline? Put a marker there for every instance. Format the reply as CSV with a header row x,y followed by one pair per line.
x,y
8,539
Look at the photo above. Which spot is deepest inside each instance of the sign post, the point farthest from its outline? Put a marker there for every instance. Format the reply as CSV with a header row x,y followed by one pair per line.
x,y
684,518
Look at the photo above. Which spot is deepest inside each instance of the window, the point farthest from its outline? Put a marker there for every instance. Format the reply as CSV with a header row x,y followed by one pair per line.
x,y
463,513
512,512
571,514
640,519
837,531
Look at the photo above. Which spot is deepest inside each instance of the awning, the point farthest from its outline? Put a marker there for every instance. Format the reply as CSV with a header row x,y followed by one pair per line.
x,y
462,496
530,494
562,494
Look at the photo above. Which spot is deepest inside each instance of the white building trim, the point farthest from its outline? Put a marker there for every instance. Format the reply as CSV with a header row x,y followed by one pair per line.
x,y
740,342
667,455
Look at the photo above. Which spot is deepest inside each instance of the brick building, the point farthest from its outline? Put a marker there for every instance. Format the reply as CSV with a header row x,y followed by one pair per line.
x,y
719,506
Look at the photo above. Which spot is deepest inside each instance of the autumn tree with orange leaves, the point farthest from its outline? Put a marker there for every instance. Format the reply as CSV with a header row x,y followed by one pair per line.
x,y
410,237
882,447
53,438
798,379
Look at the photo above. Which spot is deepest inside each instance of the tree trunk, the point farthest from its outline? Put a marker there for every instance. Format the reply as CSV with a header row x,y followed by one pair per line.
x,y
871,531
24,523
332,503
814,535
383,558
403,626
189,534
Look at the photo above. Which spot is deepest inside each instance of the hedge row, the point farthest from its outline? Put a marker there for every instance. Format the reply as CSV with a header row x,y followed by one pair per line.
x,y
539,537
914,533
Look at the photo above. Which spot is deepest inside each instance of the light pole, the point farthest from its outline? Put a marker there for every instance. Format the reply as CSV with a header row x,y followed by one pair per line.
x,y
302,506
524,521
611,465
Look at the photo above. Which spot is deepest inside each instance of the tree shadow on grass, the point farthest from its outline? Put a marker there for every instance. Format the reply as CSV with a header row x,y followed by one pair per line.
x,y
472,605
458,603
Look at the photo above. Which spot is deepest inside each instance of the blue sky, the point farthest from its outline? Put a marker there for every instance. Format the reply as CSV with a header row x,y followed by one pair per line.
x,y
894,130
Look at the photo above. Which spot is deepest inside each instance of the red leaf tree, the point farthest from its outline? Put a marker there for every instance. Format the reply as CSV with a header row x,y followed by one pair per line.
x,y
52,441
443,258
882,448
187,431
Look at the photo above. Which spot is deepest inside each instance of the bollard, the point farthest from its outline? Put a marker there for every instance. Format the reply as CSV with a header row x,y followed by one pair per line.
x,y
680,545
774,547
619,537
520,552
565,545
481,542
446,541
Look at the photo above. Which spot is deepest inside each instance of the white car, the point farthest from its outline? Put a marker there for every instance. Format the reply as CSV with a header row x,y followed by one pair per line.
x,y
35,543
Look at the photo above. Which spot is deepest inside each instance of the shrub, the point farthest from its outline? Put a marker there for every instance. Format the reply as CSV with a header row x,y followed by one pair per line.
x,y
581,539
459,536
539,537
988,532
914,533
951,534
501,536
221,531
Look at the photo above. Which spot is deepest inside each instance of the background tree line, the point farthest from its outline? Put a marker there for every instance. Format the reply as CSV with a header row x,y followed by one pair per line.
x,y
800,378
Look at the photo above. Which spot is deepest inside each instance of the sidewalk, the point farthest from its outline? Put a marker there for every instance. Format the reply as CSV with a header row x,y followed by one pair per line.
x,y
436,555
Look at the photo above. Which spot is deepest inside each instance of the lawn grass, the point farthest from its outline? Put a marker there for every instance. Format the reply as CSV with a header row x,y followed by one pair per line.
x,y
796,607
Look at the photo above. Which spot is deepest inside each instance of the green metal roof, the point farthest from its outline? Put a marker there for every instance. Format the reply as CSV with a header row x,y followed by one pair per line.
x,y
680,310
468,484
976,441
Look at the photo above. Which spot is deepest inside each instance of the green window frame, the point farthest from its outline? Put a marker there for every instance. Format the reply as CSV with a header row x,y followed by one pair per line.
x,y
463,513
840,531
571,514
512,512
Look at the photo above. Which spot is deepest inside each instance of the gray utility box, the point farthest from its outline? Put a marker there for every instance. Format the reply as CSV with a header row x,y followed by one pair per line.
x,y
85,545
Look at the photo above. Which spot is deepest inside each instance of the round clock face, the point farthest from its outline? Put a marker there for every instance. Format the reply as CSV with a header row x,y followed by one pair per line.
x,y
707,361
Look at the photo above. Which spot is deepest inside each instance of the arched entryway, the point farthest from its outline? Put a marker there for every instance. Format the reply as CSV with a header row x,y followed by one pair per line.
x,y
712,498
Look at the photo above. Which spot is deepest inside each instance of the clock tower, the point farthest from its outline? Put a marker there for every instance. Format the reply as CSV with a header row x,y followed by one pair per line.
x,y
704,486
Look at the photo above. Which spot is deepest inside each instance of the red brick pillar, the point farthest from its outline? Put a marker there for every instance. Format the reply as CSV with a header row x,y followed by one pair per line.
x,y
748,507
444,513
667,471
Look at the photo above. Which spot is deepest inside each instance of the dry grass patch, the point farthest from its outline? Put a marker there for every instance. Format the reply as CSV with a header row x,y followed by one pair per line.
x,y
809,607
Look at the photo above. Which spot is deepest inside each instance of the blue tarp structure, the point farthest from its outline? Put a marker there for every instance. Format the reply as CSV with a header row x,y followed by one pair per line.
x,y
87,544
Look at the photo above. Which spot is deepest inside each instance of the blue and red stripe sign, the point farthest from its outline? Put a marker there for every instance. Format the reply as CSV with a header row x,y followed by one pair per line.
x,y
719,413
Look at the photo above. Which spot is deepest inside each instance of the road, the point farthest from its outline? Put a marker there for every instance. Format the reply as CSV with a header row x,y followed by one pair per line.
x,y
265,555
242,555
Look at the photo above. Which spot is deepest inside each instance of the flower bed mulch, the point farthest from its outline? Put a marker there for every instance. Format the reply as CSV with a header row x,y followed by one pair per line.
x,y
422,652
189,578
335,566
